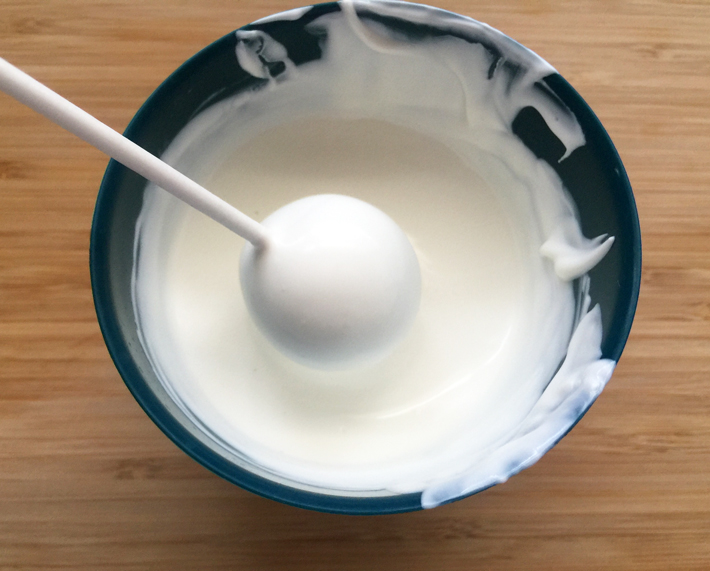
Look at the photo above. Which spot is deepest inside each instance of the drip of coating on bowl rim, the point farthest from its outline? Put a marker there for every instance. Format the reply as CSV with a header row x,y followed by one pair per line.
x,y
500,362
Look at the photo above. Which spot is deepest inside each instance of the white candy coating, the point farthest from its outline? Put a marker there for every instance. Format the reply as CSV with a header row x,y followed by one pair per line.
x,y
338,285
471,395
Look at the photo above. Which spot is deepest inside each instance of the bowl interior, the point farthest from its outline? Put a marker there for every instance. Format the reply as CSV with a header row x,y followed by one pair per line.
x,y
593,174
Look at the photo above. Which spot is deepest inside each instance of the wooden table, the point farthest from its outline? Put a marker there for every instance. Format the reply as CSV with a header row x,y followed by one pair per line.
x,y
88,482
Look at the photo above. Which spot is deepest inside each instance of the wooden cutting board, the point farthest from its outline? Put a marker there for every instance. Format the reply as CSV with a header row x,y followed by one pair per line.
x,y
88,482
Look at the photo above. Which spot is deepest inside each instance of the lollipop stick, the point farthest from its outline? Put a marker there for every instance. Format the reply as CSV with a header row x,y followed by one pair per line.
x,y
39,97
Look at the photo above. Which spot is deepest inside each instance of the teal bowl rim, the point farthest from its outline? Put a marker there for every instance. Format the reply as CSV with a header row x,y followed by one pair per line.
x,y
119,351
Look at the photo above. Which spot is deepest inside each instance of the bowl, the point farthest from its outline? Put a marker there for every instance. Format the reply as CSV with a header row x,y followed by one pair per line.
x,y
593,175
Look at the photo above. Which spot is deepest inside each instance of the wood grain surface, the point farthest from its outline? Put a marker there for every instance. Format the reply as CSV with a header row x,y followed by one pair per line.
x,y
88,482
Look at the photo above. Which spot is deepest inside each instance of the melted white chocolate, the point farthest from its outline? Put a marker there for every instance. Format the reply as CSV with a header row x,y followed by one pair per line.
x,y
495,368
